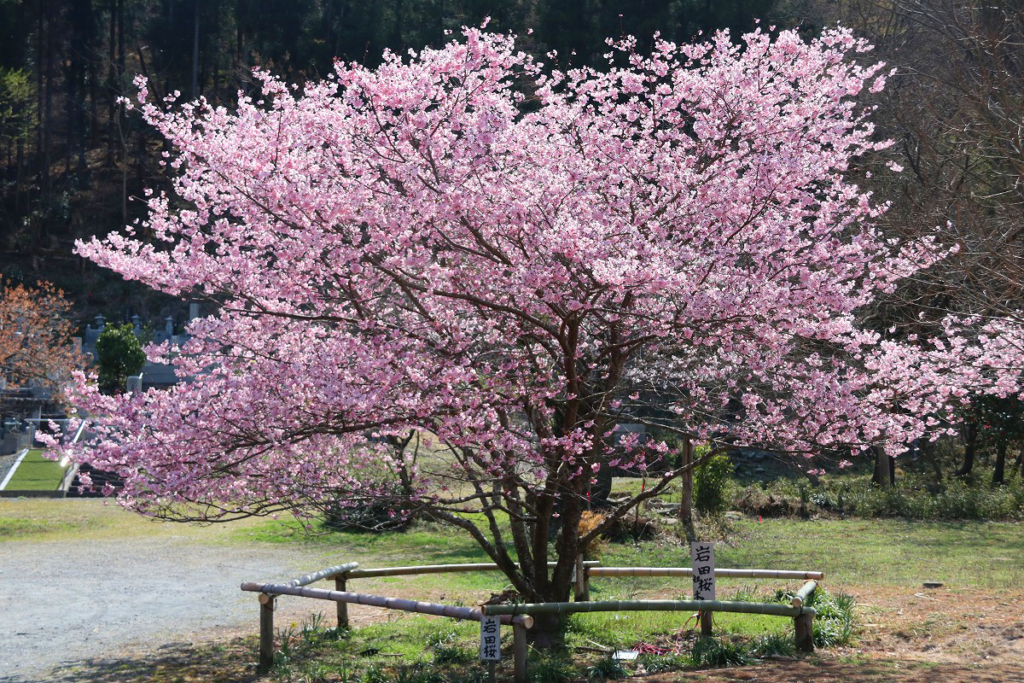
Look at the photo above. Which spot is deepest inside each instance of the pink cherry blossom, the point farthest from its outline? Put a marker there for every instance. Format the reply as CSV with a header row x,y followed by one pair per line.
x,y
516,261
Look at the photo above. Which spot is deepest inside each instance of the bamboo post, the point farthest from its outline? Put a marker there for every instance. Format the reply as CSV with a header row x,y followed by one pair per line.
x,y
339,585
519,652
266,634
803,627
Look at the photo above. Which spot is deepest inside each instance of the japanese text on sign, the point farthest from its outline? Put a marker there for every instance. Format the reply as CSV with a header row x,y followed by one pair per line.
x,y
490,639
703,570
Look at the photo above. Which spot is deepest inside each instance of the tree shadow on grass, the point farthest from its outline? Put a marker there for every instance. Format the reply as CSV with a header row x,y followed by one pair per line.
x,y
232,662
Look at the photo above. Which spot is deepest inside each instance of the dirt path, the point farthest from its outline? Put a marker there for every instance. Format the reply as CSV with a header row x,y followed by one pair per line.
x,y
66,601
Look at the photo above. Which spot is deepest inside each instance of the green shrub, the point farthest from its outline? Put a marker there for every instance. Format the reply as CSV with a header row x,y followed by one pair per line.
x,y
452,654
714,652
472,676
773,645
833,621
916,496
709,484
654,664
606,669
551,668
375,674
418,673
120,356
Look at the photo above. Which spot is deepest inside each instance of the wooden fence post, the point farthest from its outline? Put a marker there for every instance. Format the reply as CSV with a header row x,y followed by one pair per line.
x,y
266,634
340,585
519,652
803,626
705,622
582,586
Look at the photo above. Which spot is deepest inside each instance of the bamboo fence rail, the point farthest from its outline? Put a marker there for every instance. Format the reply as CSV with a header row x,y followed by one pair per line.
x,y
720,573
435,569
804,593
328,573
536,608
520,616
269,591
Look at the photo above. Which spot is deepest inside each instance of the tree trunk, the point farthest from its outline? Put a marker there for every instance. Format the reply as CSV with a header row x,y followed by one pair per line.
x,y
970,442
40,103
885,468
928,452
48,128
997,476
548,632
112,83
195,52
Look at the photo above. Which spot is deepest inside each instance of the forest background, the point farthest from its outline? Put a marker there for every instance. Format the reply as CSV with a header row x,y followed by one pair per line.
x,y
72,162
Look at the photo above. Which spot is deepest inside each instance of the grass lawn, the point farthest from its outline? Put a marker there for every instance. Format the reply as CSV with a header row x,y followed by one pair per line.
x,y
36,473
883,562
882,552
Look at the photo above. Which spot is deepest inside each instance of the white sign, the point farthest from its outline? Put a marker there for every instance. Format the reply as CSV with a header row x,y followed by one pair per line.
x,y
490,639
703,570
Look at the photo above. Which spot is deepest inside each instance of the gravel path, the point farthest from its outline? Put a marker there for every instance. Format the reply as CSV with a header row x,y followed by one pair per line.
x,y
64,602
6,463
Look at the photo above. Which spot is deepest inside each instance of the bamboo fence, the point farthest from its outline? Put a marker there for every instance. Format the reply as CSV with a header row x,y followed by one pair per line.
x,y
520,616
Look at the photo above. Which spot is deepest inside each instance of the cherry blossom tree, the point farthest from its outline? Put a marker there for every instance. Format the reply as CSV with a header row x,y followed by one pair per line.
x,y
466,247
36,336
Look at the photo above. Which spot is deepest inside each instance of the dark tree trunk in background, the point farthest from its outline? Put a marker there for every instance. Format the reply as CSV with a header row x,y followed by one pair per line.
x,y
112,84
928,452
40,105
970,443
80,59
195,51
997,476
48,115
